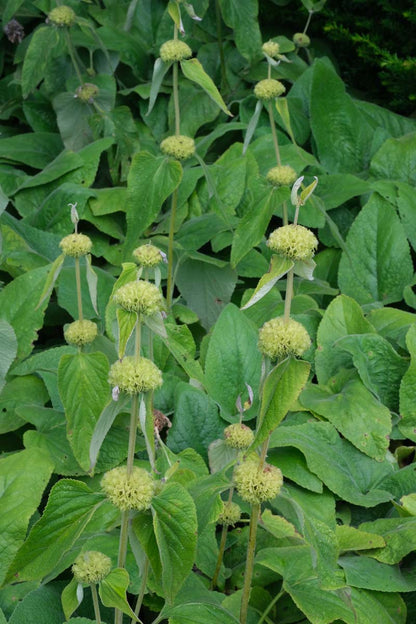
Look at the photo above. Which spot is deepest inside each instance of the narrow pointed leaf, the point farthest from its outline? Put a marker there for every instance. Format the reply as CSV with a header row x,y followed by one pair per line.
x,y
112,590
194,71
126,322
103,426
252,125
279,266
92,281
53,275
160,70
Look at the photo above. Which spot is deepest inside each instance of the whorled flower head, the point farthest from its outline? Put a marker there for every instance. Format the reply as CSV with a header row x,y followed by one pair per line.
x,y
174,50
279,338
282,175
230,515
129,492
87,92
91,567
180,147
294,242
76,245
135,375
141,296
268,89
147,255
238,436
301,40
271,48
257,484
80,333
62,16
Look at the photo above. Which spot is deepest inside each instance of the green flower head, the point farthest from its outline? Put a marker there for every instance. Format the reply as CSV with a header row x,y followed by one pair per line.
x,y
62,16
282,175
294,242
134,375
230,515
91,567
148,255
129,492
238,436
301,40
80,333
180,147
174,50
271,48
257,484
268,89
279,338
141,297
76,245
87,92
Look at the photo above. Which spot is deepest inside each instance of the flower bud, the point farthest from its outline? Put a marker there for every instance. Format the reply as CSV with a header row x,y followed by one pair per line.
x,y
294,242
87,92
62,16
238,436
174,50
271,48
257,484
230,515
147,255
140,296
282,175
91,567
180,147
301,40
135,375
279,338
76,245
129,492
268,89
80,333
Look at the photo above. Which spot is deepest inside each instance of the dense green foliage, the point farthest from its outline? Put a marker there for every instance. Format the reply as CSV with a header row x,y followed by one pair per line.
x,y
85,102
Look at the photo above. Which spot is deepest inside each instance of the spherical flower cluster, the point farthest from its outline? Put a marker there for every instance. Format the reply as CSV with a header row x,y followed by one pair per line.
x,y
257,484
134,375
282,175
91,567
238,436
62,16
301,40
180,147
174,50
76,245
87,92
271,48
293,241
230,515
80,333
268,89
147,255
279,338
129,492
140,296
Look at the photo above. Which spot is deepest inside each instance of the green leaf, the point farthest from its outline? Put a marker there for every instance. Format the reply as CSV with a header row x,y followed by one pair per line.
x,y
232,361
378,265
35,149
160,70
350,538
199,613
357,415
43,46
45,602
80,376
394,159
8,349
293,466
344,470
407,425
150,181
399,535
335,190
69,598
279,266
241,16
194,71
281,389
70,507
21,494
277,525
53,275
367,573
175,527
126,322
252,125
342,317
182,355
112,590
92,281
29,390
409,503
19,307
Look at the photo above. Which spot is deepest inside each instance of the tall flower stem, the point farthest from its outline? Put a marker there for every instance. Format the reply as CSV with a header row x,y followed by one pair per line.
x,y
289,294
224,81
222,546
72,54
141,590
274,134
169,292
270,606
96,603
78,283
248,573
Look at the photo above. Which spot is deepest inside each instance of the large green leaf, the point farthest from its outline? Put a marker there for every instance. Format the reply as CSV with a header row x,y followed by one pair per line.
x,y
399,535
356,413
45,602
43,46
28,390
232,361
175,527
378,265
342,317
19,307
35,149
199,613
368,573
408,390
80,376
241,16
8,349
395,159
21,492
194,71
70,507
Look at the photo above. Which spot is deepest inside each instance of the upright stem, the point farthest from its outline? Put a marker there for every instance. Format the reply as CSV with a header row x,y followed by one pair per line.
x,y
142,590
78,282
138,337
96,603
248,574
169,292
72,54
308,21
222,546
289,294
224,80
270,606
132,433
176,99
122,552
274,134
